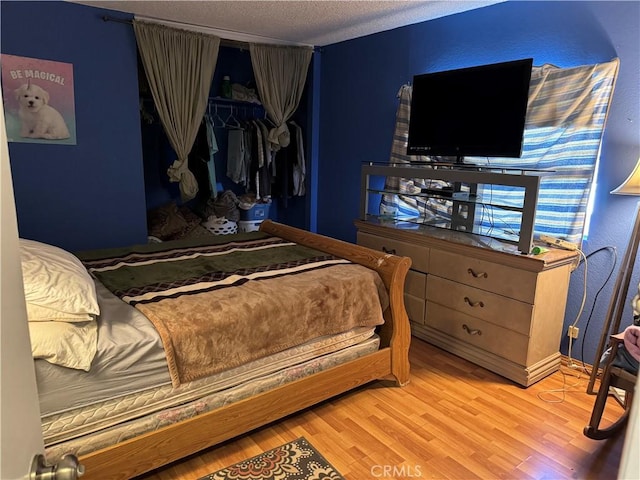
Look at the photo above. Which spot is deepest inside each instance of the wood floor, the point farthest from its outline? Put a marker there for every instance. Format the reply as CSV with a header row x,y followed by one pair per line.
x,y
455,420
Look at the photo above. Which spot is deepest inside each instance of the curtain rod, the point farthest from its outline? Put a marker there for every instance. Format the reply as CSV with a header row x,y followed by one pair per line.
x,y
225,42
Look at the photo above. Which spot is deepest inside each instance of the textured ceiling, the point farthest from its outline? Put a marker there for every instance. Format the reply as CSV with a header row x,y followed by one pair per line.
x,y
308,22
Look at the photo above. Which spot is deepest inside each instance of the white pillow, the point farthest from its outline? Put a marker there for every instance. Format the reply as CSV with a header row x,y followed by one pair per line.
x,y
71,345
37,313
56,280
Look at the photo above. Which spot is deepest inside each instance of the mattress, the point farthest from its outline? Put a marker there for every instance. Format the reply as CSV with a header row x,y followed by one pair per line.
x,y
75,422
101,419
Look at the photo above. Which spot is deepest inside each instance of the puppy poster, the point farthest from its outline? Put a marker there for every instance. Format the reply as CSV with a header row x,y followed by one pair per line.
x,y
38,100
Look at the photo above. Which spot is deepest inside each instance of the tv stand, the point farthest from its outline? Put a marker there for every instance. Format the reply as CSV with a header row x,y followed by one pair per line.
x,y
463,197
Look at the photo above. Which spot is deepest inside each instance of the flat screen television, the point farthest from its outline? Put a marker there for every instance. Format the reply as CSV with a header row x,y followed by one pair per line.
x,y
474,111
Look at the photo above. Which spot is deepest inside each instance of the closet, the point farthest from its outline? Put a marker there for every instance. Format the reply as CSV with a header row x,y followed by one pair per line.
x,y
228,120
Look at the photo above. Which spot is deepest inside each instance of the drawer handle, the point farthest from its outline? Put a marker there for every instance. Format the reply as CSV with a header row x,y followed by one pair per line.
x,y
390,251
477,275
473,304
471,331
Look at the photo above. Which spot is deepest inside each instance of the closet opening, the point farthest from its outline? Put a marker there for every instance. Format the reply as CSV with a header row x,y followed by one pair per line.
x,y
213,158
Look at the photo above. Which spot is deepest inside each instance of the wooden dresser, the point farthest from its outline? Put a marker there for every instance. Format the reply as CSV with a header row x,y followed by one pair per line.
x,y
480,298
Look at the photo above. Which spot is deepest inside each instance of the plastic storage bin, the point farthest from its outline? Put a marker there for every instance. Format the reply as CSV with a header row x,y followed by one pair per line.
x,y
259,211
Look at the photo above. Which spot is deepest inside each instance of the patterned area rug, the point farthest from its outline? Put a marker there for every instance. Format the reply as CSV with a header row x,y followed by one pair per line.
x,y
297,460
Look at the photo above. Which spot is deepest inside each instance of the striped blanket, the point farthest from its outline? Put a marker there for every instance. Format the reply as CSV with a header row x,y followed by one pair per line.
x,y
225,301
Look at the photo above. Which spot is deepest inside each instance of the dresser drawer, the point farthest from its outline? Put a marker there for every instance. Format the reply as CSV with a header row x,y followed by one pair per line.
x,y
497,309
415,308
416,284
419,254
479,333
492,277
415,288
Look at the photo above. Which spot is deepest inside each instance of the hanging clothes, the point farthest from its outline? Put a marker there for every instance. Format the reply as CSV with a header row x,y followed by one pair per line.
x,y
250,165
299,167
257,163
198,160
285,159
236,170
213,149
265,156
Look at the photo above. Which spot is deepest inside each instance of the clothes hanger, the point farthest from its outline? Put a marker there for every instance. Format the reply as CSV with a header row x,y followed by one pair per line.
x,y
217,118
232,121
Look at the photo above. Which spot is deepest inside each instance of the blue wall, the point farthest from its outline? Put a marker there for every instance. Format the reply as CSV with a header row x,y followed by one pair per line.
x,y
361,77
91,194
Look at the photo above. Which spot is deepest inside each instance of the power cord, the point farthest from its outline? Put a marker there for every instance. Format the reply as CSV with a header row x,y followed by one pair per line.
x,y
595,298
579,314
574,371
564,389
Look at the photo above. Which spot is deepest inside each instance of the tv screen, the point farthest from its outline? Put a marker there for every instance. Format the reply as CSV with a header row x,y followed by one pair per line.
x,y
475,111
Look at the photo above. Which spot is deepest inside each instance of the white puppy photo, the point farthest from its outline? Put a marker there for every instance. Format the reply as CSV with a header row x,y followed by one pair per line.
x,y
38,118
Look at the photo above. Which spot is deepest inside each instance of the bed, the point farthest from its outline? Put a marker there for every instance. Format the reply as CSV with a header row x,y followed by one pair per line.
x,y
180,395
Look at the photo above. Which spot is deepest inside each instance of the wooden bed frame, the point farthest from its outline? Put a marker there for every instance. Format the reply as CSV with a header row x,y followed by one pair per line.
x,y
155,449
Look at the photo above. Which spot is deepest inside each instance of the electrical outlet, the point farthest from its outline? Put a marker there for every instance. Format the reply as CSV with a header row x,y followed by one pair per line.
x,y
573,331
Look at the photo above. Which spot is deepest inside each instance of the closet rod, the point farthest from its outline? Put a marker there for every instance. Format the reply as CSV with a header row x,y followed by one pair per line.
x,y
246,109
223,41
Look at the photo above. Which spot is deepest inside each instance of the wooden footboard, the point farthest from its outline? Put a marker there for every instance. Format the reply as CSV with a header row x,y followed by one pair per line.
x,y
152,450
